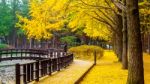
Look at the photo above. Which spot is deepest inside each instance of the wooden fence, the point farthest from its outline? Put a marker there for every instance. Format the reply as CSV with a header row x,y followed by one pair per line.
x,y
47,62
32,54
26,73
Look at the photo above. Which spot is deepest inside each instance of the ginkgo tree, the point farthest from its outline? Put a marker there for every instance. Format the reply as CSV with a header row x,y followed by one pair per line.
x,y
45,16
101,18
84,15
145,24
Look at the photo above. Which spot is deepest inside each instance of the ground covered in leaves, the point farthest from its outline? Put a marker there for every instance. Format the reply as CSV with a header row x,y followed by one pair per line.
x,y
108,71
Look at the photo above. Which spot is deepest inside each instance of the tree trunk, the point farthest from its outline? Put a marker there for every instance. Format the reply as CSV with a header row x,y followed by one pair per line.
x,y
119,47
125,45
135,67
119,37
148,36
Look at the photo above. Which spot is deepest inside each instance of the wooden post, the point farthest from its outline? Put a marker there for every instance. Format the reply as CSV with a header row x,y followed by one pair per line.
x,y
28,72
6,53
24,76
37,71
32,69
21,52
16,51
49,66
95,57
17,73
58,63
41,68
11,52
71,57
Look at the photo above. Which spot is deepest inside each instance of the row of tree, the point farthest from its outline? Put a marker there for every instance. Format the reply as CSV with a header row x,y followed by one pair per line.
x,y
114,21
13,35
8,32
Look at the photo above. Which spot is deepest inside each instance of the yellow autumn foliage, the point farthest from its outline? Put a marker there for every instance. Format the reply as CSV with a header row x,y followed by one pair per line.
x,y
109,71
86,52
45,16
87,14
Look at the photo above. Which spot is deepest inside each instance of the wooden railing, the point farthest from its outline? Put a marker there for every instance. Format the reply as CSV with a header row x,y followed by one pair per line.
x,y
26,73
47,62
31,54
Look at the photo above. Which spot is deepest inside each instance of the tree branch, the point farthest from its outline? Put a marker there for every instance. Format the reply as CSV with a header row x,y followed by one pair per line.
x,y
103,21
106,16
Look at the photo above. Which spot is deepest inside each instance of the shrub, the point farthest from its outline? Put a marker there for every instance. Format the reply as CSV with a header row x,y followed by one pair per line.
x,y
69,39
87,52
2,46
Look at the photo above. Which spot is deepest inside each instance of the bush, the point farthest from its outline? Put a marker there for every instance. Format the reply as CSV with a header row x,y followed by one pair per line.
x,y
3,46
87,52
71,40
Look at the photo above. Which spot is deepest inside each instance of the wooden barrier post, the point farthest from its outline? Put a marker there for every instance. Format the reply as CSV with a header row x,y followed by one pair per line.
x,y
21,53
28,72
37,71
95,57
58,61
24,76
72,58
49,66
17,73
32,69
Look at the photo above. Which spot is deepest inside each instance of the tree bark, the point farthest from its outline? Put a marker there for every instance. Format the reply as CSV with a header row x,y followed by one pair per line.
x,y
125,45
135,67
119,47
119,37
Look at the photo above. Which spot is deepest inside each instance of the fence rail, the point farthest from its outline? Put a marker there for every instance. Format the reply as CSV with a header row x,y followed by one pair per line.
x,y
47,62
33,71
32,54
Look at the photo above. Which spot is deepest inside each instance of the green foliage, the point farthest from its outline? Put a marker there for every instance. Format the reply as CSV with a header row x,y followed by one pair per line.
x,y
8,15
2,46
71,40
20,32
5,19
87,51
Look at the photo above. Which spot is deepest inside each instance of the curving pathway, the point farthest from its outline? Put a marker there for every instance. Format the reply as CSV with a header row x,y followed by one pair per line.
x,y
68,75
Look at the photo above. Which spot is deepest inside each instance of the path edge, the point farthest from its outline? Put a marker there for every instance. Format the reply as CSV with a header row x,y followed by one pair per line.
x,y
83,75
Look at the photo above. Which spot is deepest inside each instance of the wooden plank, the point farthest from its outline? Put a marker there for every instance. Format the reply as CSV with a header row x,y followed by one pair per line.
x,y
28,73
24,74
17,70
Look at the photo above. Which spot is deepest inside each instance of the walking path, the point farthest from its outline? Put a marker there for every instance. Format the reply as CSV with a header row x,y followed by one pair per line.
x,y
68,75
